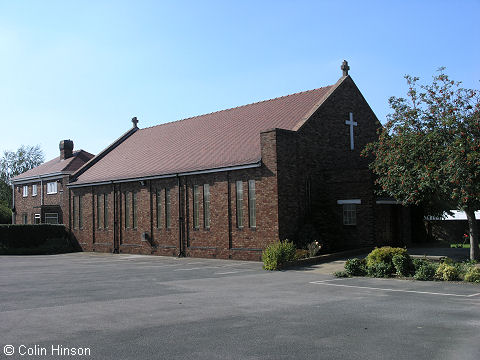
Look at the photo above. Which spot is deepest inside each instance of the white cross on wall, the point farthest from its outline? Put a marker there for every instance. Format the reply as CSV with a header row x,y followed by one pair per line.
x,y
352,124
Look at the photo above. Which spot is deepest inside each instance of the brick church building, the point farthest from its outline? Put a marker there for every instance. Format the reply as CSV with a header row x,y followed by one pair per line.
x,y
228,183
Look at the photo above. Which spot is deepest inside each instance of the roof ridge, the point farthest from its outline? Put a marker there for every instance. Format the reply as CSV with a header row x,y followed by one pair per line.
x,y
236,107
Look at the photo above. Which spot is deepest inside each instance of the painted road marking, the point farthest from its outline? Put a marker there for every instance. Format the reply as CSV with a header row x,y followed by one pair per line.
x,y
231,272
327,282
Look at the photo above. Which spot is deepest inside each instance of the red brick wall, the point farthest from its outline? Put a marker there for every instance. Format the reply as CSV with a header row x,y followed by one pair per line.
x,y
320,151
223,239
31,205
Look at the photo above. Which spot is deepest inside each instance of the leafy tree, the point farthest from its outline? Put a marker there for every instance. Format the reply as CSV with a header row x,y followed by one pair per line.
x,y
428,153
14,163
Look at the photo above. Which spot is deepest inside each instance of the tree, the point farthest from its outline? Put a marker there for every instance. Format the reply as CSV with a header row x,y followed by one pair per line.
x,y
14,163
428,152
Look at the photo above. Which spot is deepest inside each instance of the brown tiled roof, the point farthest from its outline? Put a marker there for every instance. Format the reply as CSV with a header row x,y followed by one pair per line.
x,y
220,139
55,166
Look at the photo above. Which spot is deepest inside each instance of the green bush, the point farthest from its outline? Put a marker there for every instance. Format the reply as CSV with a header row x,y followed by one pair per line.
x,y
446,272
356,267
425,271
276,254
381,270
403,264
5,214
473,275
341,274
384,255
35,239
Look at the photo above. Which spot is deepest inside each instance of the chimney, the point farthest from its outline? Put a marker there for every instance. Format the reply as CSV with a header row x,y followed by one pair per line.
x,y
66,149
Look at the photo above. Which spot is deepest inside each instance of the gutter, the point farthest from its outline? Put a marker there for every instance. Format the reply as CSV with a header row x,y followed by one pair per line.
x,y
51,176
13,204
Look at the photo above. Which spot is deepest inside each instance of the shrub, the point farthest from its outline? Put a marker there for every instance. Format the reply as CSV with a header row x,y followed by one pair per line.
x,y
473,275
356,267
5,214
301,254
381,269
446,272
276,254
341,274
425,271
384,254
403,264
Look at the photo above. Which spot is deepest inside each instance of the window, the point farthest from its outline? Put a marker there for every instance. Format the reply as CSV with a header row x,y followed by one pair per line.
x,y
80,215
36,219
99,211
206,206
167,208
159,208
349,214
51,218
134,208
34,190
25,218
252,216
239,192
105,211
25,192
128,200
77,212
196,206
52,187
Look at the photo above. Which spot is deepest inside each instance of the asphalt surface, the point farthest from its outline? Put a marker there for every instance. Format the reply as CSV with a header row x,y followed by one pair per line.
x,y
145,307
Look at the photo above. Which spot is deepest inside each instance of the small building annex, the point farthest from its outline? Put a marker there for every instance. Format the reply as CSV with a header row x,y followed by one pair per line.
x,y
40,195
228,183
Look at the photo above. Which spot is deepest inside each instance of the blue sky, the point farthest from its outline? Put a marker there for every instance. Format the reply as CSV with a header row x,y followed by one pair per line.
x,y
81,69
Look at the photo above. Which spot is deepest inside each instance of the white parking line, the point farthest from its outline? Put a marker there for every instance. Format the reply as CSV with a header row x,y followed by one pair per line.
x,y
197,268
230,272
325,282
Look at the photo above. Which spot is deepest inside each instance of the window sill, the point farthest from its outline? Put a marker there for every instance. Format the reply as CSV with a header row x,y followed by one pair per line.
x,y
52,193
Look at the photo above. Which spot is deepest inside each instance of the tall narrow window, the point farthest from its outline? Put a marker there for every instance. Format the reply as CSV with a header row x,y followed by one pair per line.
x,y
25,218
25,190
80,215
75,212
252,215
206,206
134,208
159,208
99,211
167,208
105,211
196,206
34,190
239,192
128,199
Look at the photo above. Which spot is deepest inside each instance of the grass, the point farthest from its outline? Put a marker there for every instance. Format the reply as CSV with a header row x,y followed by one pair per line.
x,y
465,246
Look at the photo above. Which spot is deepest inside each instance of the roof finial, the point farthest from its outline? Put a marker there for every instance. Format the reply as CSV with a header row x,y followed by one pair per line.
x,y
345,67
135,121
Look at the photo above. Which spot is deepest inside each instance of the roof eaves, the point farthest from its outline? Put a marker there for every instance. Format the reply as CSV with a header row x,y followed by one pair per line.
x,y
38,177
102,153
319,103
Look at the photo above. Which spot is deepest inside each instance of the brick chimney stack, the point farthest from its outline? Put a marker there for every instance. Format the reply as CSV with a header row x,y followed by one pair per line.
x,y
66,149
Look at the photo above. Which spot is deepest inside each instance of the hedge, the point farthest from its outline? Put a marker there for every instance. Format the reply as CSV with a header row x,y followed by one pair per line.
x,y
35,239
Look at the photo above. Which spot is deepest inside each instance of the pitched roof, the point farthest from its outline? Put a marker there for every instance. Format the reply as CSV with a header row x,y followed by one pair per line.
x,y
55,166
220,139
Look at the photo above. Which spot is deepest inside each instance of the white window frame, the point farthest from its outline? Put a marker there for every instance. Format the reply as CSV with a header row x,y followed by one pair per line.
x,y
35,217
25,190
51,191
52,216
34,190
